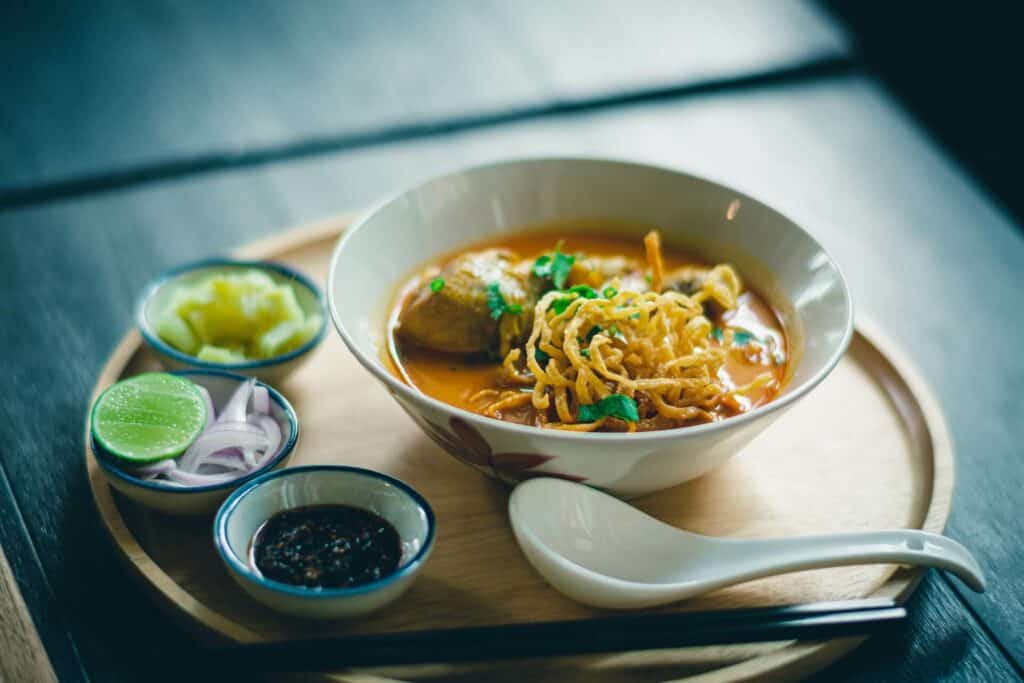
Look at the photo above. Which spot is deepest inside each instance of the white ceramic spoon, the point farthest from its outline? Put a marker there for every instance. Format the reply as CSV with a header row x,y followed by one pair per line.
x,y
603,552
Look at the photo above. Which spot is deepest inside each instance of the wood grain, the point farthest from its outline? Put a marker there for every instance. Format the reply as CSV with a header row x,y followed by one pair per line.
x,y
93,101
809,473
22,657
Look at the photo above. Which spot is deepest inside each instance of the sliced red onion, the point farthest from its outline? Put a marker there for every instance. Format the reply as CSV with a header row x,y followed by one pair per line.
x,y
221,436
235,408
213,468
196,479
229,458
249,457
260,400
234,442
211,412
274,437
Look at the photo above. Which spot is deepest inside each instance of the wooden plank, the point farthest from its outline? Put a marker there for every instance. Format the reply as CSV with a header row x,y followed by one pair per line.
x,y
938,633
22,657
838,156
116,87
30,623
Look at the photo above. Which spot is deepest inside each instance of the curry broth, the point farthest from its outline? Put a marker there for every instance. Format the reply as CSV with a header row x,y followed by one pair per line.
x,y
455,378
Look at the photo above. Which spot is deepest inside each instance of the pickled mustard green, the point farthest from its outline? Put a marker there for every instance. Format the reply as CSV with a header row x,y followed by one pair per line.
x,y
234,317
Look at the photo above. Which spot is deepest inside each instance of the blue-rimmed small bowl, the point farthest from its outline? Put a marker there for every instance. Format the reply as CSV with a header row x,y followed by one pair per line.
x,y
156,297
174,499
249,507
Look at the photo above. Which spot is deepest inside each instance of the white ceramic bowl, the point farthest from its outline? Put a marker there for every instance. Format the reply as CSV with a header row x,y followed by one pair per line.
x,y
773,254
246,510
157,296
200,500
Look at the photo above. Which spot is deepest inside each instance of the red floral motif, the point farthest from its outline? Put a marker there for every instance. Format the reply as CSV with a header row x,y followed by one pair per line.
x,y
466,444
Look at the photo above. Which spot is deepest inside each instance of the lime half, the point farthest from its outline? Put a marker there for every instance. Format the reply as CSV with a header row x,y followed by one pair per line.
x,y
149,417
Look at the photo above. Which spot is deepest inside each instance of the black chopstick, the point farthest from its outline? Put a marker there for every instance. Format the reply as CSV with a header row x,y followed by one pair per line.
x,y
814,621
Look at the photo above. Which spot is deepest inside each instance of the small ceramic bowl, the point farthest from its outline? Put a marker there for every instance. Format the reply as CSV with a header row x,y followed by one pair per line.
x,y
250,506
157,295
777,257
200,500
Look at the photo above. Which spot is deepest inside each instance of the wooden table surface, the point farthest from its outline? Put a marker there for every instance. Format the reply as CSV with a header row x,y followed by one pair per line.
x,y
138,135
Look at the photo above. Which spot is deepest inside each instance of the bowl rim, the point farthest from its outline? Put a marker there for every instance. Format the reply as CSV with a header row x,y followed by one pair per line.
x,y
396,386
169,275
283,452
241,568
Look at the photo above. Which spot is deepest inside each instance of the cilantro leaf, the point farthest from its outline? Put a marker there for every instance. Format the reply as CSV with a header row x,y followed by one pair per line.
x,y
560,269
555,265
497,304
437,284
583,291
596,329
559,305
609,292
616,405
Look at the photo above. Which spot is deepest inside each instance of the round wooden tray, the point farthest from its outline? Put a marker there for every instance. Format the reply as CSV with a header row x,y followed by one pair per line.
x,y
868,449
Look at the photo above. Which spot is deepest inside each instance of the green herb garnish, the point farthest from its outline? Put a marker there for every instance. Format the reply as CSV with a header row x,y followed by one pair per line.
x,y
596,329
585,353
615,333
437,284
609,293
559,305
616,405
541,357
583,291
716,334
555,265
497,304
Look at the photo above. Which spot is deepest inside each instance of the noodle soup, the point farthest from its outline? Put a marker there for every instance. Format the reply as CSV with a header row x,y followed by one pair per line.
x,y
586,332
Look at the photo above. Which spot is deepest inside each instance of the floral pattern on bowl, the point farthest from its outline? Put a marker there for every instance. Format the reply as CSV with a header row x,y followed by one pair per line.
x,y
466,444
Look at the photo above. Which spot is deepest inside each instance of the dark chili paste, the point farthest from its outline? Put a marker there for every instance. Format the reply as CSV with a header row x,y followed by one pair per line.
x,y
326,546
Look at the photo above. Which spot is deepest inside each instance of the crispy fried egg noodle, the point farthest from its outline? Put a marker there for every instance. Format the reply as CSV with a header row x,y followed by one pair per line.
x,y
655,348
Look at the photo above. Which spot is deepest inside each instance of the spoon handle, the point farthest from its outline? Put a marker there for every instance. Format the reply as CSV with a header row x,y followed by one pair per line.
x,y
750,559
